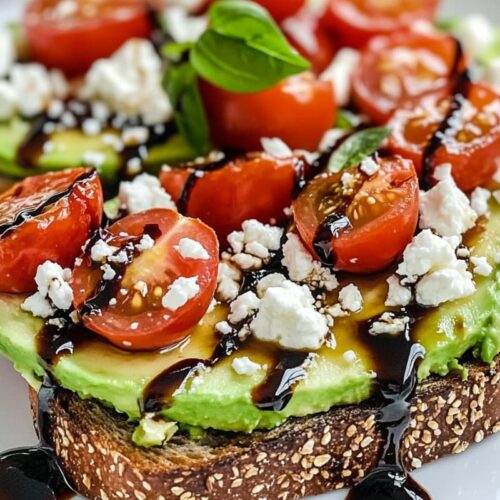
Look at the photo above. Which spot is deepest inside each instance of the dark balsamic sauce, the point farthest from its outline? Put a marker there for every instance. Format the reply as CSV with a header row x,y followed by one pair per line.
x,y
332,227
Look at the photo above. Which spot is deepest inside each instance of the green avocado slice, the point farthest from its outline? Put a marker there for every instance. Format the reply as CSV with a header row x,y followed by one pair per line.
x,y
222,399
68,149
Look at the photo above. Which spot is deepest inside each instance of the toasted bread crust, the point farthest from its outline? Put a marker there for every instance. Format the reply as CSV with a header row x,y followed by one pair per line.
x,y
302,457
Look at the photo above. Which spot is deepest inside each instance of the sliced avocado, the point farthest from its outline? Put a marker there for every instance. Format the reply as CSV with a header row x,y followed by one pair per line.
x,y
221,399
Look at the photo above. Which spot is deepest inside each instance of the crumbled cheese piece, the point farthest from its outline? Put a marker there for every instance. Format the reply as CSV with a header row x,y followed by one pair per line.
x,y
481,266
350,356
38,305
463,252
445,208
7,52
100,251
479,200
141,287
133,136
93,158
108,272
350,298
389,324
336,311
8,100
369,166
228,281
130,82
257,250
180,292
477,33
91,126
146,243
113,141
237,241
243,307
276,147
287,316
183,27
453,241
223,327
254,231
347,180
191,249
340,72
143,193
330,138
397,295
244,366
246,261
273,279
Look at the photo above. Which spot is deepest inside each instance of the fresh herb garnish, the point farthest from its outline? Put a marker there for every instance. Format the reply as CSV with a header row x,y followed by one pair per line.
x,y
243,50
344,120
357,147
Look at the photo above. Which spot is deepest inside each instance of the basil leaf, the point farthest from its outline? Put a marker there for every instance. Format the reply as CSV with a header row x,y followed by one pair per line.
x,y
357,147
176,51
243,50
344,120
181,84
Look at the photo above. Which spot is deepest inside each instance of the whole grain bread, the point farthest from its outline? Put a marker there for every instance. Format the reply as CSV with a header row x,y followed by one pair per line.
x,y
302,457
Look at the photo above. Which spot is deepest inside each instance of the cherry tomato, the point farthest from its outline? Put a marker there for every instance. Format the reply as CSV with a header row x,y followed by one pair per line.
x,y
128,309
256,186
311,39
363,225
72,35
355,22
402,68
298,110
47,217
471,145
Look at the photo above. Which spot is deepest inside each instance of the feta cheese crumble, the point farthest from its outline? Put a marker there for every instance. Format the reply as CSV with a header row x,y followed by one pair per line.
x,y
245,366
243,307
100,251
479,200
191,249
183,27
180,292
390,324
143,193
228,281
350,298
481,266
397,295
274,146
369,166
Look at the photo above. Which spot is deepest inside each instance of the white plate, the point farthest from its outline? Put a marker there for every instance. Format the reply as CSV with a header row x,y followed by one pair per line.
x,y
473,475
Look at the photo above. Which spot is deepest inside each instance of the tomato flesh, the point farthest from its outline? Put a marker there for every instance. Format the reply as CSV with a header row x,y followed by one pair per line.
x,y
298,110
256,186
355,22
128,311
90,29
402,68
375,217
54,233
471,148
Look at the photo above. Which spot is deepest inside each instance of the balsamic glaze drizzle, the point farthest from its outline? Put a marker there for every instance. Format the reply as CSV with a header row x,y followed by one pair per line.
x,y
331,227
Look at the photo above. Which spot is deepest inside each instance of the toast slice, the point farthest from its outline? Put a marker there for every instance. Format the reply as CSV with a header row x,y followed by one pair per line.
x,y
304,456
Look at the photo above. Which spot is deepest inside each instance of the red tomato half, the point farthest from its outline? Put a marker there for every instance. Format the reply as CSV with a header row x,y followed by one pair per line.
x,y
355,22
252,187
298,110
472,144
402,68
47,217
72,35
311,39
279,9
136,318
362,227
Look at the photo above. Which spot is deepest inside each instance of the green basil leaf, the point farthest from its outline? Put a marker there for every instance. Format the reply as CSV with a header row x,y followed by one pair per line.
x,y
181,84
357,147
243,50
176,51
344,120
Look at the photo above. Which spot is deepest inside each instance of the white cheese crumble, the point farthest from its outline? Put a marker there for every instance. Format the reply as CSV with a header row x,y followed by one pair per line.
x,y
287,316
223,327
245,366
143,193
93,158
273,279
133,136
146,243
369,166
389,324
91,126
108,272
479,200
397,294
130,82
274,146
7,52
191,249
481,266
180,292
228,281
100,251
340,72
476,33
445,208
54,291
243,307
8,100
183,27
350,298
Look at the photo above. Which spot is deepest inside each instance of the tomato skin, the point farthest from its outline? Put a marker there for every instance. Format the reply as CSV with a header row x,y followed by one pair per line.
x,y
473,161
310,39
400,69
57,234
279,9
54,42
355,24
256,186
157,326
374,245
298,110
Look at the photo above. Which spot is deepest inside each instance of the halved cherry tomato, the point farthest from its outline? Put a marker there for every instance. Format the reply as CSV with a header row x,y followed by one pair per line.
x,y
136,318
47,217
355,22
471,145
72,35
256,186
298,110
311,39
363,226
402,68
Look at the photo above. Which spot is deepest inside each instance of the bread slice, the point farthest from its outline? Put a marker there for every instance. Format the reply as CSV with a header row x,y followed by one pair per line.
x,y
304,456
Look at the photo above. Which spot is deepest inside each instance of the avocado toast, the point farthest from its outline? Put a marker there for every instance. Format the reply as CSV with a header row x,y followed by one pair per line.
x,y
296,307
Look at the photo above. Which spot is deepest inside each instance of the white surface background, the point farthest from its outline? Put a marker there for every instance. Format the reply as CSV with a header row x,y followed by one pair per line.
x,y
474,475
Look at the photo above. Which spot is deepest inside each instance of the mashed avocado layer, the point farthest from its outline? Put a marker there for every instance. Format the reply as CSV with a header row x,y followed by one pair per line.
x,y
221,399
